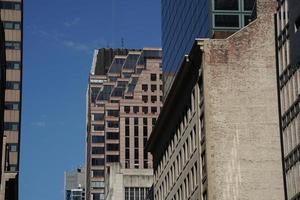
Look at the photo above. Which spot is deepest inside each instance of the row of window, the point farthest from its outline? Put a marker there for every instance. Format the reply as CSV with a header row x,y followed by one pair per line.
x,y
97,184
152,98
136,193
13,45
13,65
13,85
98,196
12,106
145,109
12,25
10,5
12,147
11,126
98,173
153,87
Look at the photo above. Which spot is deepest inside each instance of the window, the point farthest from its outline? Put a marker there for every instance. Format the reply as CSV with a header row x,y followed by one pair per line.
x,y
136,121
11,126
98,139
113,124
153,88
227,21
12,168
112,136
10,5
113,158
145,98
153,99
153,77
13,65
136,109
127,131
145,121
12,25
97,161
12,85
153,110
127,109
12,147
153,121
97,184
145,110
145,88
12,105
98,173
249,5
98,116
113,113
13,45
226,4
98,150
126,121
98,127
112,147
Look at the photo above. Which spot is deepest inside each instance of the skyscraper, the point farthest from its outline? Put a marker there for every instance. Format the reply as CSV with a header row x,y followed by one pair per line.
x,y
185,20
123,102
12,18
288,64
220,120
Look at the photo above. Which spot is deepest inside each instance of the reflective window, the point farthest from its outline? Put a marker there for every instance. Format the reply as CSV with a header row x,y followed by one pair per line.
x,y
11,126
12,85
226,4
12,105
249,5
226,20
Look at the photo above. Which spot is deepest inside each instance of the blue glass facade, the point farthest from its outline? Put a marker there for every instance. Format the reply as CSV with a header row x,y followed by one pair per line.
x,y
185,20
182,22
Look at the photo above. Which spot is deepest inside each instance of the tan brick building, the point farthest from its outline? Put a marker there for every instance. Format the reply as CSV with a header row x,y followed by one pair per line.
x,y
223,142
124,101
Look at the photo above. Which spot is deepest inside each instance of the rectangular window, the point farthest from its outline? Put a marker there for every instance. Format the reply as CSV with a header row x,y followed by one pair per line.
x,y
136,109
136,121
10,5
127,109
13,45
145,98
12,25
227,21
112,136
145,88
145,121
98,139
11,126
113,124
12,168
98,116
153,77
98,150
112,147
12,85
12,147
153,88
12,106
153,99
97,184
153,121
98,173
145,110
113,158
226,4
13,65
127,131
98,127
136,131
113,113
97,161
153,110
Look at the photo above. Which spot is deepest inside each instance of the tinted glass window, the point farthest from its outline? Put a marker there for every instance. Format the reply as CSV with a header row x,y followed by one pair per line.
x,y
248,4
226,20
226,4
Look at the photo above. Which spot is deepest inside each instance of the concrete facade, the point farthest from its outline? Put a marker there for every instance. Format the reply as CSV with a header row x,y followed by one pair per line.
x,y
224,143
75,184
127,183
123,106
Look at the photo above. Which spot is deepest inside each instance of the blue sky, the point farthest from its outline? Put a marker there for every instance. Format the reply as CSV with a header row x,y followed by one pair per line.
x,y
59,38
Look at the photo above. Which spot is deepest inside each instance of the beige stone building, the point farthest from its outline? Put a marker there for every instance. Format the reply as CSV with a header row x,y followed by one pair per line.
x,y
223,141
124,100
12,17
126,184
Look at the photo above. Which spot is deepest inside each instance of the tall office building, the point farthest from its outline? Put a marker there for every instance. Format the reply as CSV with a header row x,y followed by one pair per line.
x,y
288,64
12,16
123,102
223,140
75,184
185,20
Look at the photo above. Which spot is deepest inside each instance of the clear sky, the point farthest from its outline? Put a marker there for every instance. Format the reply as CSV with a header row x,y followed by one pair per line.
x,y
59,38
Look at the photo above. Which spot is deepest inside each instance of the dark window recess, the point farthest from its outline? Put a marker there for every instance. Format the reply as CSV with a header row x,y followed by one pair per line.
x,y
10,5
136,142
13,65
226,4
145,88
12,25
145,121
153,88
98,150
13,45
127,121
127,154
153,77
12,106
136,131
98,116
136,121
136,154
98,173
146,166
249,5
98,127
98,139
297,23
127,109
112,147
12,147
145,155
136,109
145,130
161,98
145,98
11,126
113,113
112,124
113,158
127,142
227,21
97,161
153,99
12,85
153,109
153,121
160,76
112,136
247,19
145,110
127,131
160,87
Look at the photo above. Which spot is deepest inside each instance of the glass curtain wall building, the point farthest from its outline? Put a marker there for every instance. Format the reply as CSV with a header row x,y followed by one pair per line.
x,y
185,20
